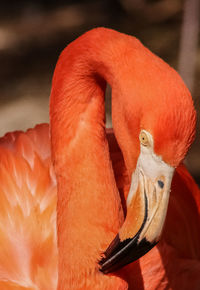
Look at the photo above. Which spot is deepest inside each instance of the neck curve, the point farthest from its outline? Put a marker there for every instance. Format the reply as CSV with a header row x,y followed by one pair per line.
x,y
89,211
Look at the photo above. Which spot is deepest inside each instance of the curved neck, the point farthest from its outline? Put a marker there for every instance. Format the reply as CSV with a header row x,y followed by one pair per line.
x,y
89,211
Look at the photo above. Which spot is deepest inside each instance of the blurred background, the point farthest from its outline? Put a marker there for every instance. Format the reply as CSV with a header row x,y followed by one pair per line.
x,y
33,33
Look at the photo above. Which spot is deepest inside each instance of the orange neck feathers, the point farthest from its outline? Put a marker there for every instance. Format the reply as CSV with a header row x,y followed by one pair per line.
x,y
89,207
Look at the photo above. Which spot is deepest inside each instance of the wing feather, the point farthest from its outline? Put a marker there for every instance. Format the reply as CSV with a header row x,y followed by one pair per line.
x,y
28,252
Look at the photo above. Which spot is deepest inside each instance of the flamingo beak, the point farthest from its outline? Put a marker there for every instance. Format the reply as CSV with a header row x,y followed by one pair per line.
x,y
147,204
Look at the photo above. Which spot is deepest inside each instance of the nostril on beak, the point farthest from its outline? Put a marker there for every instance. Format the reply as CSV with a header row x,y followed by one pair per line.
x,y
160,183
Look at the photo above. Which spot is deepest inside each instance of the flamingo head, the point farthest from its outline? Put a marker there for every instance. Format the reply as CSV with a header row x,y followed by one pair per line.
x,y
158,129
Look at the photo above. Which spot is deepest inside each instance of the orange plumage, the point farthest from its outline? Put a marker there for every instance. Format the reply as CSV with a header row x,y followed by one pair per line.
x,y
90,175
28,253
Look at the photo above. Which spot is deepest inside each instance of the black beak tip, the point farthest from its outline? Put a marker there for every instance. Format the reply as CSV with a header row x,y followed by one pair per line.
x,y
121,253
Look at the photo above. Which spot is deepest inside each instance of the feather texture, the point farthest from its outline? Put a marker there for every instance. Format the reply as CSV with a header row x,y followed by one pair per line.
x,y
28,252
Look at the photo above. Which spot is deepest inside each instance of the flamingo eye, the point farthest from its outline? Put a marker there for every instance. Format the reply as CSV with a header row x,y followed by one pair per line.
x,y
144,140
160,183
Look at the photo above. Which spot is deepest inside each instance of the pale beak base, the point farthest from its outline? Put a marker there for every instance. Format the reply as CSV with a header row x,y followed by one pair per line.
x,y
147,204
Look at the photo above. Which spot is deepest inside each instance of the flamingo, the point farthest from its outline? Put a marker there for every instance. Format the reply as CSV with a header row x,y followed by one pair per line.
x,y
78,207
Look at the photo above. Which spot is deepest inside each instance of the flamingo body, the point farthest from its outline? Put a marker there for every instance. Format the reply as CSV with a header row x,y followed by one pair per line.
x,y
72,187
28,252
28,228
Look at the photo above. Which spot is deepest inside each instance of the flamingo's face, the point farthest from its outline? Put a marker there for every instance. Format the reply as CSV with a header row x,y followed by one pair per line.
x,y
146,208
158,128
149,191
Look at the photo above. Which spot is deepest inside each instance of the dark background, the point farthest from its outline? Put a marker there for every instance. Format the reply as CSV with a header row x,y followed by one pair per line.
x,y
33,33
